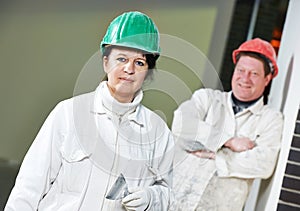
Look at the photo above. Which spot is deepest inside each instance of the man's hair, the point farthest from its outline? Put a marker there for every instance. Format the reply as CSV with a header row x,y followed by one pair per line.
x,y
267,63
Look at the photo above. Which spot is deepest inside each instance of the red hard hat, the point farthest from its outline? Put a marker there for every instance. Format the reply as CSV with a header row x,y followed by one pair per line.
x,y
262,47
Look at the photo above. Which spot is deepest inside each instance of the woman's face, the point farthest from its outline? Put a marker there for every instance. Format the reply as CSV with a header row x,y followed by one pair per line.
x,y
126,70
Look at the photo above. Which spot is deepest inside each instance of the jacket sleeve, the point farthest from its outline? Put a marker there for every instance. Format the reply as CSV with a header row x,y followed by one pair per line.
x,y
161,195
258,162
191,126
39,168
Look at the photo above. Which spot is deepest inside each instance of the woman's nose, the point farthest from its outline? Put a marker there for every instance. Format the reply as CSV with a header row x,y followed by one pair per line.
x,y
129,67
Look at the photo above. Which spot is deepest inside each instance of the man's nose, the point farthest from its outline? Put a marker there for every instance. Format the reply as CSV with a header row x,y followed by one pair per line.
x,y
246,75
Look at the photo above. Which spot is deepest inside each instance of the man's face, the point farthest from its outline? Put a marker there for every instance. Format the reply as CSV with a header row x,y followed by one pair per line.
x,y
126,70
249,81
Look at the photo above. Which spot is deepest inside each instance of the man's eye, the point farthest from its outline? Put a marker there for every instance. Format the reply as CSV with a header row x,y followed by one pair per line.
x,y
121,59
140,63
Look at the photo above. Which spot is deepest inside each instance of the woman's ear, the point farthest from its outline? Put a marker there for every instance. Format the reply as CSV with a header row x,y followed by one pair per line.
x,y
104,63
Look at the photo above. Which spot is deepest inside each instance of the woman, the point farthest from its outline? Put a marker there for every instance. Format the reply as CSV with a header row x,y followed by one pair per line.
x,y
103,150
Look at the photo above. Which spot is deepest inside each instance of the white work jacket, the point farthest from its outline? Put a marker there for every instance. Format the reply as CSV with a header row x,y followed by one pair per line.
x,y
207,121
84,145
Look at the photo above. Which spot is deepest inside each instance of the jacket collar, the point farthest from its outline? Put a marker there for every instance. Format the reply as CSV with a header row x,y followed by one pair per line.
x,y
255,108
104,103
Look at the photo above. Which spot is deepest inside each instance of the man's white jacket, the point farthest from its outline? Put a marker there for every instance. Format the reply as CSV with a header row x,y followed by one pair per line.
x,y
207,121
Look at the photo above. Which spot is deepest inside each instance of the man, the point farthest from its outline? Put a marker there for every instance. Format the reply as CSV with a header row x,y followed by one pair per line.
x,y
227,139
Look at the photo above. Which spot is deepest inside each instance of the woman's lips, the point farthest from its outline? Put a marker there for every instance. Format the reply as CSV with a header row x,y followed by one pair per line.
x,y
126,79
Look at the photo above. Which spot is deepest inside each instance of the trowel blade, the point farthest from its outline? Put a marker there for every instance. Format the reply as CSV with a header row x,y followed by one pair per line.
x,y
119,189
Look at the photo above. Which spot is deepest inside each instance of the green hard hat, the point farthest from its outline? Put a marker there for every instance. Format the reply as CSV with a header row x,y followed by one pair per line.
x,y
133,30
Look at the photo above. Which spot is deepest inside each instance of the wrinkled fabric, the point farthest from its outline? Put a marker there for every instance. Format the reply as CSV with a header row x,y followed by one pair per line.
x,y
213,199
208,121
84,145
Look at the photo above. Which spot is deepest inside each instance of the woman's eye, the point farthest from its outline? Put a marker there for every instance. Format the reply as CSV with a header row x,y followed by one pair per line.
x,y
140,63
121,59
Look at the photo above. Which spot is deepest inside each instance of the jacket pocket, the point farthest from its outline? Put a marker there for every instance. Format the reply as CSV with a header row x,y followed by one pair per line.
x,y
76,166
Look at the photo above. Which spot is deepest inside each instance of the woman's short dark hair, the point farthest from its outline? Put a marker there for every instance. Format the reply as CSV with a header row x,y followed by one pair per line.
x,y
150,58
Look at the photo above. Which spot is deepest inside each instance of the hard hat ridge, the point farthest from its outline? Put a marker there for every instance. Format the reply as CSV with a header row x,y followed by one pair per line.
x,y
133,30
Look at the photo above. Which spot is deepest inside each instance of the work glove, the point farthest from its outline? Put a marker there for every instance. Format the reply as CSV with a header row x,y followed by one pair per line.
x,y
138,199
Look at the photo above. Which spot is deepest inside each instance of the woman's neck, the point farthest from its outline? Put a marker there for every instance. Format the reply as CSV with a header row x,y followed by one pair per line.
x,y
120,98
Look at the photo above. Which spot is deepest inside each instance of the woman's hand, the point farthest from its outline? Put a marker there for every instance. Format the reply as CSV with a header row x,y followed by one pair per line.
x,y
137,200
